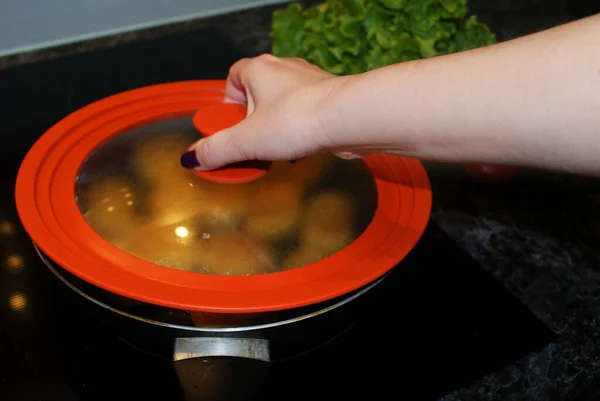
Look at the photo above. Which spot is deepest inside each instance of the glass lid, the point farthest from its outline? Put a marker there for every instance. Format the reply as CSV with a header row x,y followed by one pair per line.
x,y
133,191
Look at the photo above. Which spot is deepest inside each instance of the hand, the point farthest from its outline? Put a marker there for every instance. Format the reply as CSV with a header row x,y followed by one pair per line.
x,y
286,101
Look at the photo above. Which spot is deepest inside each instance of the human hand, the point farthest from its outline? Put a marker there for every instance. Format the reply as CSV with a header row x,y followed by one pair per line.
x,y
478,106
286,100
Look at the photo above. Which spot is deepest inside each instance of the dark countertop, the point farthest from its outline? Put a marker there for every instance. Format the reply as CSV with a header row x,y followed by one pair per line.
x,y
537,235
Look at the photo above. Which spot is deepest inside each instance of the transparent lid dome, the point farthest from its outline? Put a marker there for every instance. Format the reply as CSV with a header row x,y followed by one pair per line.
x,y
133,191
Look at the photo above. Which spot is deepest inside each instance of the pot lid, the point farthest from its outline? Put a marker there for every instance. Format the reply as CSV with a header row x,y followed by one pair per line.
x,y
103,194
134,193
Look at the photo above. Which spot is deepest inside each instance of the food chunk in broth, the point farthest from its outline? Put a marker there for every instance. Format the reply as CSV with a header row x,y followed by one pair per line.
x,y
275,211
295,215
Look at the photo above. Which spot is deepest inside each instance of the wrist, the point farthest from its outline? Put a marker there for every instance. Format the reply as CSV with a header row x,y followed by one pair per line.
x,y
365,111
410,109
331,113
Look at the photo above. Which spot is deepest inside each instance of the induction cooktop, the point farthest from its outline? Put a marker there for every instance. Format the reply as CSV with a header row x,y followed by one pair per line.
x,y
437,323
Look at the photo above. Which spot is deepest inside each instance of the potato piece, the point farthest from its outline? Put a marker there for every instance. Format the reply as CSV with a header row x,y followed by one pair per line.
x,y
156,158
304,172
275,211
176,246
328,224
229,253
301,257
226,204
110,207
174,202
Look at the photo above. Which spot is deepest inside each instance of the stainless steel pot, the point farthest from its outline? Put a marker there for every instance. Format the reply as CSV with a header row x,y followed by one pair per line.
x,y
225,362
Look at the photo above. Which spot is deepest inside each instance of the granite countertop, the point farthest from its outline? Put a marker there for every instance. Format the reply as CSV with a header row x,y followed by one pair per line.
x,y
537,235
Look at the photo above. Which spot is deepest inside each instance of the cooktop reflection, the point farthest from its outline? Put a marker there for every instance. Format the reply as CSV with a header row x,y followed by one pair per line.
x,y
435,324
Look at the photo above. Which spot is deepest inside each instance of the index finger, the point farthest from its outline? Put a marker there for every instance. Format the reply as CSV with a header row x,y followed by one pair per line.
x,y
235,90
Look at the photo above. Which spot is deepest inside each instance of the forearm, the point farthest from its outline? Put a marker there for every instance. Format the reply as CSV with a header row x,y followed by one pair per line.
x,y
531,101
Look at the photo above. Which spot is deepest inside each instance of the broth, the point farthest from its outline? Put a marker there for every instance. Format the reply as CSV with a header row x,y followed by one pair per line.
x,y
133,192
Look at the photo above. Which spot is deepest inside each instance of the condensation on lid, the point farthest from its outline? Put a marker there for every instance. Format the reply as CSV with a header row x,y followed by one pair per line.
x,y
133,191
217,117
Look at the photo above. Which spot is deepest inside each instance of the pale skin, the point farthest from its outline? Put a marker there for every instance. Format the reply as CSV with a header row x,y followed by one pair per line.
x,y
533,101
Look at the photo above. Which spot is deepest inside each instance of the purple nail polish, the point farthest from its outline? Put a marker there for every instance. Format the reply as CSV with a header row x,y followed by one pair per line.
x,y
189,160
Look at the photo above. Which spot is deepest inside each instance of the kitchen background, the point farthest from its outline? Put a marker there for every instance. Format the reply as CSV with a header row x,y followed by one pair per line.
x,y
537,234
36,29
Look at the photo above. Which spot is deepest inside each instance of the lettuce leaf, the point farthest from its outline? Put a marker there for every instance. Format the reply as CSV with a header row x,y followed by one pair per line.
x,y
354,36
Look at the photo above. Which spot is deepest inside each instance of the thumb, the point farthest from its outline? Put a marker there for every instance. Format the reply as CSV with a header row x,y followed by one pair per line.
x,y
349,155
225,147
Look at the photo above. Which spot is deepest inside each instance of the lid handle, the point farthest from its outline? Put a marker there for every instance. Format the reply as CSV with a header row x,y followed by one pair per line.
x,y
219,116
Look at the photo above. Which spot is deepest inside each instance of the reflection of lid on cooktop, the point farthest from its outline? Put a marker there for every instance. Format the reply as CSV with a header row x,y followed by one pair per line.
x,y
133,191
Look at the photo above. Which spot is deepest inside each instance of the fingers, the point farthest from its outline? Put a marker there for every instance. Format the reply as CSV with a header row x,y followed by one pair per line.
x,y
250,139
233,94
346,155
228,146
274,86
220,150
235,90
240,74
244,75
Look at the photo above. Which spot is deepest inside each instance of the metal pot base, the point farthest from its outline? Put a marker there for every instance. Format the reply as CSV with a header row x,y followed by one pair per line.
x,y
208,360
154,330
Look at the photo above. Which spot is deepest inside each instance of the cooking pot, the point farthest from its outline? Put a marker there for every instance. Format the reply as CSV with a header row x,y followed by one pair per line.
x,y
250,263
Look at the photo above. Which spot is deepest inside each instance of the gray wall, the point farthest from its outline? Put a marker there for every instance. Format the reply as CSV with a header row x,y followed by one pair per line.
x,y
33,24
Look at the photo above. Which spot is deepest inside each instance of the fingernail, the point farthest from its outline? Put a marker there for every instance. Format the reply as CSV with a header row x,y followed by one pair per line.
x,y
189,159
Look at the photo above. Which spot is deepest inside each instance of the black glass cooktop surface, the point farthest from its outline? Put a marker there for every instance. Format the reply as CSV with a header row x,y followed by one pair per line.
x,y
435,324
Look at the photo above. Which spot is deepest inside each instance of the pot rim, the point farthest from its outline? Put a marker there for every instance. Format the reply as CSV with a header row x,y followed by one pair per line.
x,y
236,329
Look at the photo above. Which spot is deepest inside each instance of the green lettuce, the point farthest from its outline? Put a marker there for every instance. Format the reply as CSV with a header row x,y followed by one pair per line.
x,y
353,36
